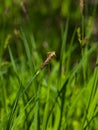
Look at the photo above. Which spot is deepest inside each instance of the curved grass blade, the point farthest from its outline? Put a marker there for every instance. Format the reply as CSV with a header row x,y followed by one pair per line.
x,y
11,116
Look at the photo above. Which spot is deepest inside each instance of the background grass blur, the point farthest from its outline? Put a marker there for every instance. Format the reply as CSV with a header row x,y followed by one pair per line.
x,y
63,96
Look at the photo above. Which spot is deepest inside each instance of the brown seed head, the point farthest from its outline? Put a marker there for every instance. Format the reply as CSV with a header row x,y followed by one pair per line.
x,y
50,56
82,6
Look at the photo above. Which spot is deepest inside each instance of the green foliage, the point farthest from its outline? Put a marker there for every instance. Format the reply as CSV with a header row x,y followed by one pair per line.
x,y
64,94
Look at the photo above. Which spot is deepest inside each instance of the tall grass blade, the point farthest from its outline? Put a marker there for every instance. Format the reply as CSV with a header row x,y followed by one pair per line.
x,y
14,106
12,60
93,99
27,49
63,46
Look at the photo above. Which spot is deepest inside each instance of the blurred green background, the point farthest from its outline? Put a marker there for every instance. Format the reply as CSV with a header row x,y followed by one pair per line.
x,y
44,20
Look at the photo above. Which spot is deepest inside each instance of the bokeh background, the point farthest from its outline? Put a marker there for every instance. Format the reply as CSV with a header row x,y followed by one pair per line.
x,y
44,20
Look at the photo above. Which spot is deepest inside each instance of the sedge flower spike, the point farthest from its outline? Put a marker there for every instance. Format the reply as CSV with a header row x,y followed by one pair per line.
x,y
50,56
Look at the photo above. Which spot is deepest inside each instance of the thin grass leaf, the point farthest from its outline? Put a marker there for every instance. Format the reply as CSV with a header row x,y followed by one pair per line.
x,y
12,60
11,116
36,110
88,53
14,106
21,114
96,115
58,96
46,111
63,100
70,51
92,100
63,46
27,49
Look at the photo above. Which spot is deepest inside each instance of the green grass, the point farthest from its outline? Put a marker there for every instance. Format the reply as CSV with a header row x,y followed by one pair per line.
x,y
62,96
49,99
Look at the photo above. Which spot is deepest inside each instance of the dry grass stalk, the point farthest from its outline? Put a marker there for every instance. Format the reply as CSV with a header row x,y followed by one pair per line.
x,y
50,56
82,6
